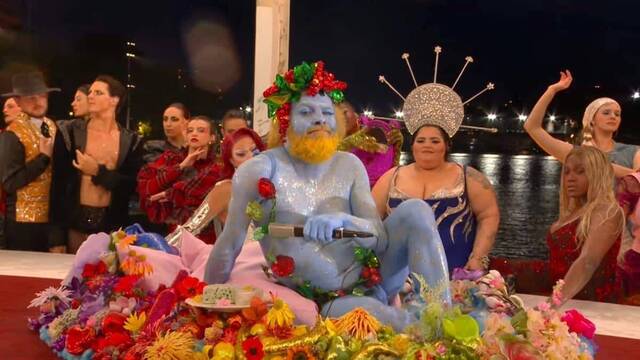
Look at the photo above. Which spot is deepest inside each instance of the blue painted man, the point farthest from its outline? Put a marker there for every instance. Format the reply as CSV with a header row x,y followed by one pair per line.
x,y
321,189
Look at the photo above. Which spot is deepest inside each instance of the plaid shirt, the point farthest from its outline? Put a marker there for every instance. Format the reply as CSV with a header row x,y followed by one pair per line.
x,y
185,189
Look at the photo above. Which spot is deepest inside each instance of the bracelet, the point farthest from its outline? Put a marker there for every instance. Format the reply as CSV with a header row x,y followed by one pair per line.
x,y
483,259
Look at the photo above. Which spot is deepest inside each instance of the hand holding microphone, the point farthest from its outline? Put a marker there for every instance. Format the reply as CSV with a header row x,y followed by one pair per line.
x,y
287,230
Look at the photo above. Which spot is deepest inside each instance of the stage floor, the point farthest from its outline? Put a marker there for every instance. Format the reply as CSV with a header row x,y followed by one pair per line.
x,y
617,326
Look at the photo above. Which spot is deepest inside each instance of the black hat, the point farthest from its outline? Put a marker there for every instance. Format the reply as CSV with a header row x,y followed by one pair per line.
x,y
26,84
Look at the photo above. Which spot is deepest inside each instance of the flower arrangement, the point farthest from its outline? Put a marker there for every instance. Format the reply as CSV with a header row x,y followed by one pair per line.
x,y
510,331
105,314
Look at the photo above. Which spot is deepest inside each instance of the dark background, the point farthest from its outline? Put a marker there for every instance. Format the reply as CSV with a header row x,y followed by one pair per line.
x,y
518,45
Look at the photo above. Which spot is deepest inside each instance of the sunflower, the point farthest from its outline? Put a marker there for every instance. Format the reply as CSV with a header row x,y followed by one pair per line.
x,y
300,353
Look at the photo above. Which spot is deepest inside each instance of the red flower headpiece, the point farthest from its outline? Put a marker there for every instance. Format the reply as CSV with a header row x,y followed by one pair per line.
x,y
308,79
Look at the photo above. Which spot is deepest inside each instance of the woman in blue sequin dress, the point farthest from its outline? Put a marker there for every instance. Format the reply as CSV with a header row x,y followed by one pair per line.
x,y
463,200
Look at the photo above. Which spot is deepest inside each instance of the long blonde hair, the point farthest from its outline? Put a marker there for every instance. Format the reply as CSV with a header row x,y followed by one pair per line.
x,y
587,133
600,193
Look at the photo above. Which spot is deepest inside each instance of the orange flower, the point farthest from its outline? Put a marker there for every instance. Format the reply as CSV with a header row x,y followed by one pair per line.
x,y
300,353
256,311
136,265
124,242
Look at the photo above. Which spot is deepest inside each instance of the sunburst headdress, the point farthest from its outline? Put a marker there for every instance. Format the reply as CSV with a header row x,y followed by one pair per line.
x,y
434,103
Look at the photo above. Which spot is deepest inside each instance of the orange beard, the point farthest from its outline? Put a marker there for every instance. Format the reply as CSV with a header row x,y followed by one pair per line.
x,y
311,148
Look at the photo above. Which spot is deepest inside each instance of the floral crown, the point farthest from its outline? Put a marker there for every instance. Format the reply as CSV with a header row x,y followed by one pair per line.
x,y
304,78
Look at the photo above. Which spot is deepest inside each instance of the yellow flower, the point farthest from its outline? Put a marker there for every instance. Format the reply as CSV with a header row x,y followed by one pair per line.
x,y
301,352
280,315
300,330
257,329
135,322
400,343
223,351
171,346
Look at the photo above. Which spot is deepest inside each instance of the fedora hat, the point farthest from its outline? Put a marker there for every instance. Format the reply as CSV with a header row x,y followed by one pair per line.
x,y
26,84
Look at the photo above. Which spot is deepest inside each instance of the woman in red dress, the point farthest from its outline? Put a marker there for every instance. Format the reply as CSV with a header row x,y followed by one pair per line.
x,y
584,242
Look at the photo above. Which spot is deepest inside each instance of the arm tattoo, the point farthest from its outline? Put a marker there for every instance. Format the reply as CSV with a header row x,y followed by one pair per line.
x,y
479,177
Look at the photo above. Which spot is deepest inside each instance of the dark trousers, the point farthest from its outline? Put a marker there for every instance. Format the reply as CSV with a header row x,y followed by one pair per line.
x,y
26,236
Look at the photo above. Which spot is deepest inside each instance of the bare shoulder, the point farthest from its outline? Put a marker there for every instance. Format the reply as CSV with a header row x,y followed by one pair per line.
x,y
344,157
384,180
479,178
255,168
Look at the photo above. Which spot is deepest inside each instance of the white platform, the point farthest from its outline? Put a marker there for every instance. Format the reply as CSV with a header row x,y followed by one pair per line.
x,y
610,319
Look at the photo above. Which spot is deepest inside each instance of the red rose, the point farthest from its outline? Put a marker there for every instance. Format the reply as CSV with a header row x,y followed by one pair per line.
x,y
252,348
283,266
79,339
266,189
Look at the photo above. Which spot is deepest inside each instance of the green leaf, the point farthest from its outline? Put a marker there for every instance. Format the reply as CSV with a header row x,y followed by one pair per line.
x,y
519,322
281,83
306,290
258,234
463,328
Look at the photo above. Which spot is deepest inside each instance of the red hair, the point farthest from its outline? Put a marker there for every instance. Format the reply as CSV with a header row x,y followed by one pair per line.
x,y
227,145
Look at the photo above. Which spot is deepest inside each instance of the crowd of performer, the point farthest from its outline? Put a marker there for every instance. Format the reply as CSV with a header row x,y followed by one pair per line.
x,y
64,180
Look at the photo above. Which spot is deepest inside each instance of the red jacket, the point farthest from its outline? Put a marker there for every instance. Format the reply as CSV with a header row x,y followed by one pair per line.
x,y
185,189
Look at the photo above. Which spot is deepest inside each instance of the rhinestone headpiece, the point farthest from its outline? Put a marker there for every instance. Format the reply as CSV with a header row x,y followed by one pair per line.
x,y
434,103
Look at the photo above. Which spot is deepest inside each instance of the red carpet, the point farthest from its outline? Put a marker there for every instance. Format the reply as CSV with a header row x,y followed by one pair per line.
x,y
17,342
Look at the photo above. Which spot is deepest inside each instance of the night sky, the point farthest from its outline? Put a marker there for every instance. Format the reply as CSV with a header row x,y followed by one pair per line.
x,y
518,45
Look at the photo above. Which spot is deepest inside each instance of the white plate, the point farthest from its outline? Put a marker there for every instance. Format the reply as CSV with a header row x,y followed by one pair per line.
x,y
221,308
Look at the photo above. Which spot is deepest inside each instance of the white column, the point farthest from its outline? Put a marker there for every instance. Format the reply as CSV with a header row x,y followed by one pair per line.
x,y
271,54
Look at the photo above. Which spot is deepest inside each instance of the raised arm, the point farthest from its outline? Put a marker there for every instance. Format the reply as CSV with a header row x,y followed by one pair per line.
x,y
484,205
228,245
604,229
533,126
